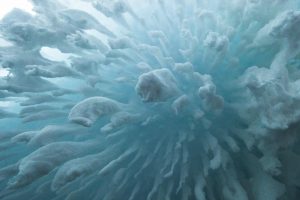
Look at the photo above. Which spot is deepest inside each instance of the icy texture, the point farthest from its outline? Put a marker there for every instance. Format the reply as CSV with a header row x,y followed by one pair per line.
x,y
87,111
156,85
150,100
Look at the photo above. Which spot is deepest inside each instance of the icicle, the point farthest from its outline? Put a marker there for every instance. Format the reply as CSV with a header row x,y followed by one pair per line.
x,y
169,190
184,169
115,163
177,154
135,191
157,182
199,187
156,85
87,111
150,158
44,115
44,160
179,104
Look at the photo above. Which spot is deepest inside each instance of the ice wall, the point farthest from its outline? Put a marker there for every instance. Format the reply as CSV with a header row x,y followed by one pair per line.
x,y
151,100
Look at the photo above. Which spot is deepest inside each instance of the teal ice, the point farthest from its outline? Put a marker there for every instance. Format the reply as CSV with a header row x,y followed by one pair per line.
x,y
150,100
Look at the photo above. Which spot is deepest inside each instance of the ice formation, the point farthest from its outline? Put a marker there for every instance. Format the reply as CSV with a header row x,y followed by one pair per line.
x,y
156,85
150,100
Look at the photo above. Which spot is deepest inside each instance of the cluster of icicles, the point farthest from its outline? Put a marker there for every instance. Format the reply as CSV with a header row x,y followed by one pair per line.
x,y
151,100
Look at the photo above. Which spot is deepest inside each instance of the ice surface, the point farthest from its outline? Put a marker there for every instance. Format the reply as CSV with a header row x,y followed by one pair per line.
x,y
87,111
150,100
156,85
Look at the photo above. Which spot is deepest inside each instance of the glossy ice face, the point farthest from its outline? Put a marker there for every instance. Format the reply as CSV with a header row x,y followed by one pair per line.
x,y
150,100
